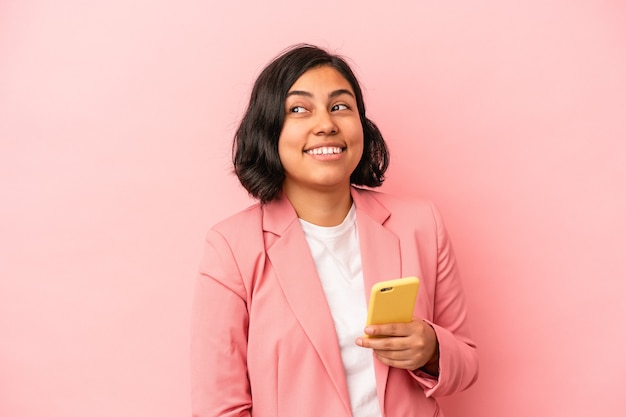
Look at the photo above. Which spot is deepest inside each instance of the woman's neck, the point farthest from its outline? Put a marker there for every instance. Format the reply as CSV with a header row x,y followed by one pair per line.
x,y
321,208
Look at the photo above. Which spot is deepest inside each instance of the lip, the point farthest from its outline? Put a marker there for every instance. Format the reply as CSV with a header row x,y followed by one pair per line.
x,y
326,145
325,151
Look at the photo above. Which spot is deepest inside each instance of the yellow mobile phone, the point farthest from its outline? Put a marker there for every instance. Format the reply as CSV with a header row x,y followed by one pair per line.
x,y
392,301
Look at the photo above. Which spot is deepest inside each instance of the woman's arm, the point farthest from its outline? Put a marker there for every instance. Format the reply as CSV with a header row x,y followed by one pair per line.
x,y
219,333
458,358
439,352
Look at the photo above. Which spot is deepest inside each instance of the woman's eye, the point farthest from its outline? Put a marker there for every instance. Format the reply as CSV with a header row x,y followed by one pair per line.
x,y
339,107
297,109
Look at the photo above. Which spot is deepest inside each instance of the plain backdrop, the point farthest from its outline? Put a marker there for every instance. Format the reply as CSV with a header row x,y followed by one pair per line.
x,y
116,121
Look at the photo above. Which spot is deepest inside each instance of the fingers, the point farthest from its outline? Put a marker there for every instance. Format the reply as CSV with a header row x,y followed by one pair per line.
x,y
415,327
405,362
391,344
395,351
391,329
401,345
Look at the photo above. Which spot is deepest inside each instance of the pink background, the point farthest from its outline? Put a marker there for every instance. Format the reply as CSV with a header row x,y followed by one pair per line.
x,y
115,127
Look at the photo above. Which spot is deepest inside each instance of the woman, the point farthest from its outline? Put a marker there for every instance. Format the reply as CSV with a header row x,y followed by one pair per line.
x,y
280,302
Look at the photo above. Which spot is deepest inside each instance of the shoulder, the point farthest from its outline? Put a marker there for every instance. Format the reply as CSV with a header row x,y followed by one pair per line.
x,y
411,219
237,235
248,220
232,246
398,208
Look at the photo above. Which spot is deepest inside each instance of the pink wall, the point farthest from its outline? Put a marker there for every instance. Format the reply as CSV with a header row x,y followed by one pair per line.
x,y
115,127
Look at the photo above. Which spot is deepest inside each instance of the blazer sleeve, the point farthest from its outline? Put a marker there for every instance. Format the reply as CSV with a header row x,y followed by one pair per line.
x,y
219,333
458,359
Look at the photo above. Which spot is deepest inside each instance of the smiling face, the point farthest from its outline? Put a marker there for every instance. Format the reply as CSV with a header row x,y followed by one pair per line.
x,y
321,141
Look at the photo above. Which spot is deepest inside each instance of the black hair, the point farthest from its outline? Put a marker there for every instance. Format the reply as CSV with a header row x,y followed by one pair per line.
x,y
255,146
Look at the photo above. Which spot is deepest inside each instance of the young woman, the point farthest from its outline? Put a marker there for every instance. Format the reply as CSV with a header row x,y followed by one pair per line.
x,y
280,303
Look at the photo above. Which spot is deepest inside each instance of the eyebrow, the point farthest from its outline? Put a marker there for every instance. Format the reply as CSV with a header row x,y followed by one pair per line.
x,y
333,94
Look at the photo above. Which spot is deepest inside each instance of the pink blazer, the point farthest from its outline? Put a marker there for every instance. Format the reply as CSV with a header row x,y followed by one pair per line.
x,y
263,339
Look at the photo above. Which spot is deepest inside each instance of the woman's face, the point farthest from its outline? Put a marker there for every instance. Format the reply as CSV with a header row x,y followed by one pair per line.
x,y
321,141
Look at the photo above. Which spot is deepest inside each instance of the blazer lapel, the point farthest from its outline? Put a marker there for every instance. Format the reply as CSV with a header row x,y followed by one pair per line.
x,y
380,255
380,248
295,269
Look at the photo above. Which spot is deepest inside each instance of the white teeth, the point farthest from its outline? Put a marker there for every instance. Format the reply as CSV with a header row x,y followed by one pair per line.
x,y
324,150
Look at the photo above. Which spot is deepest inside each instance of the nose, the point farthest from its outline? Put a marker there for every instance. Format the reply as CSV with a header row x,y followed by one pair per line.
x,y
324,124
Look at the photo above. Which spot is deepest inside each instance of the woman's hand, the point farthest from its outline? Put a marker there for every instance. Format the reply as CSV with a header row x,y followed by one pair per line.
x,y
404,345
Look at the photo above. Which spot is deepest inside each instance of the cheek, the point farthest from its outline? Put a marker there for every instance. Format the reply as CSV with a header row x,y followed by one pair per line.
x,y
358,136
359,142
282,152
357,130
288,149
283,139
288,136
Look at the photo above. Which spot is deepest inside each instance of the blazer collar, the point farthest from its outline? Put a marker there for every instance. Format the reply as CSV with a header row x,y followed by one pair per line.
x,y
279,214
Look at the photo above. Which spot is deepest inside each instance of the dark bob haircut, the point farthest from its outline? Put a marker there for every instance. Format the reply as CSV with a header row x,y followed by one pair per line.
x,y
255,147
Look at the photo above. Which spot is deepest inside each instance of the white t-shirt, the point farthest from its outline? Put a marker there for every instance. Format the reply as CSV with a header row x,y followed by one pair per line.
x,y
337,257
